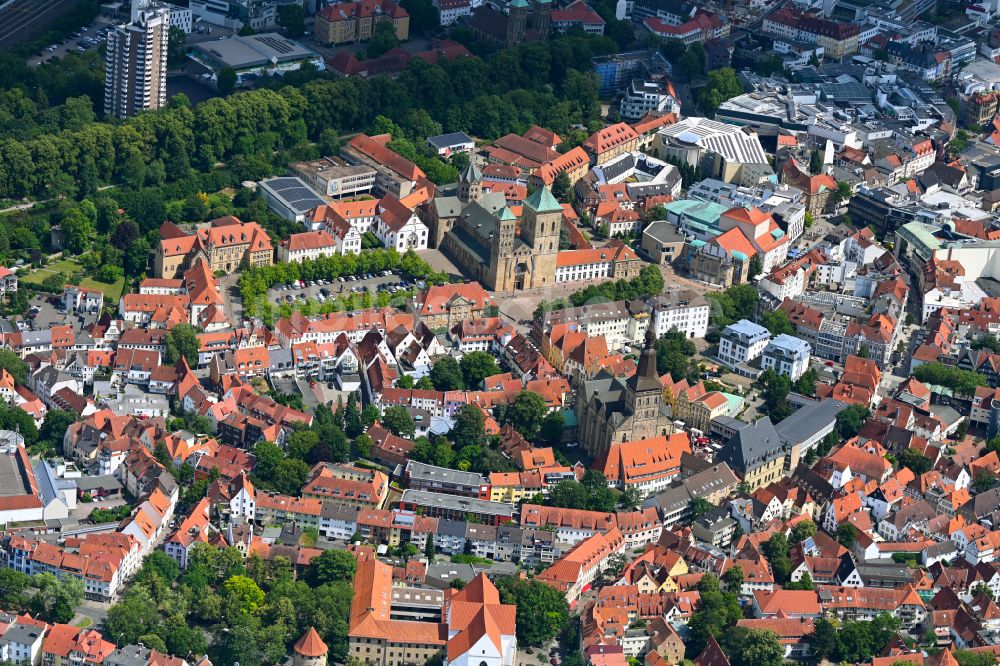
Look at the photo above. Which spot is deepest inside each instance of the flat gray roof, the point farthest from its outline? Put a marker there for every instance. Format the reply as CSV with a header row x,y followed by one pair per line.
x,y
24,634
664,232
106,481
255,50
419,470
13,479
804,422
456,503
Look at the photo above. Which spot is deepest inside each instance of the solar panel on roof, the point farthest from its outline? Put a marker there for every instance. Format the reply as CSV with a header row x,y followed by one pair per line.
x,y
295,193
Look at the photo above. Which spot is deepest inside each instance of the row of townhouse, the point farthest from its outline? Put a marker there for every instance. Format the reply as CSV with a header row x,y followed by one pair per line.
x,y
25,640
624,323
102,562
844,603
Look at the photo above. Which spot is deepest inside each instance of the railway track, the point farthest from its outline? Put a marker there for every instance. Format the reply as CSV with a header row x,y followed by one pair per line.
x,y
24,18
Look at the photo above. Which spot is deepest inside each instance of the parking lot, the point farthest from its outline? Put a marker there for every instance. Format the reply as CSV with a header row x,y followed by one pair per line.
x,y
94,35
323,290
87,38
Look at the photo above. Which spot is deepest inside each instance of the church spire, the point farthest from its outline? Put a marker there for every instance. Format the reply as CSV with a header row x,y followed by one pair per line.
x,y
647,360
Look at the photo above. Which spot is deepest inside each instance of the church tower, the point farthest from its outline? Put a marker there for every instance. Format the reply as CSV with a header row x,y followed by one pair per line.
x,y
644,392
541,20
470,183
501,276
517,19
540,231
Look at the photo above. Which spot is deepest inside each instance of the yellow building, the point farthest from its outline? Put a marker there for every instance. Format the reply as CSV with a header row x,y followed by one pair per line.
x,y
614,140
228,244
509,487
350,22
697,408
758,454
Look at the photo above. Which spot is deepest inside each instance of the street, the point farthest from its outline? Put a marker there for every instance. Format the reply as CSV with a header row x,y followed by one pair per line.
x,y
91,614
232,301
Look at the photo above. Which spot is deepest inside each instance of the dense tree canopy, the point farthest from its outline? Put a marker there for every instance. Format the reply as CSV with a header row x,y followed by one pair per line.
x,y
182,341
674,356
399,421
722,85
853,641
257,601
446,375
963,382
851,420
717,613
469,428
477,366
551,84
542,611
526,413
737,302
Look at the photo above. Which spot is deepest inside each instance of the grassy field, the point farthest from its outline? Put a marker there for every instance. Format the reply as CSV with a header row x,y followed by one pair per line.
x,y
70,267
112,292
67,266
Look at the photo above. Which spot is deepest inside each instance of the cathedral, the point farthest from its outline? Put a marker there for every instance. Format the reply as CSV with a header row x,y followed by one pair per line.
x,y
481,233
612,410
522,22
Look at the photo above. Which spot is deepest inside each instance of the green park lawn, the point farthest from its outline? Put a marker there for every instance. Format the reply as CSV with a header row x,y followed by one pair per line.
x,y
67,266
70,267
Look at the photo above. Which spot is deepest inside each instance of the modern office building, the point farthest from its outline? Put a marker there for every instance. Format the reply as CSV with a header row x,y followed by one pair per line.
x,y
786,355
135,73
742,342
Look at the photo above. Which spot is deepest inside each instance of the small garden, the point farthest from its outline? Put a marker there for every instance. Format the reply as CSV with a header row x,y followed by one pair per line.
x,y
108,278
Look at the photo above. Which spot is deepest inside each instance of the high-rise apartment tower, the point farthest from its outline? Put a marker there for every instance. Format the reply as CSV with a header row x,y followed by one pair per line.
x,y
135,77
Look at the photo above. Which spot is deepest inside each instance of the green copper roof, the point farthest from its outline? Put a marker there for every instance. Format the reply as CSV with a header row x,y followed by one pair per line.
x,y
506,214
470,174
519,3
735,405
542,201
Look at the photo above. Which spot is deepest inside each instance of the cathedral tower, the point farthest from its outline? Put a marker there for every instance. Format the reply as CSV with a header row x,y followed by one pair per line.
x,y
470,183
517,19
502,253
541,20
540,231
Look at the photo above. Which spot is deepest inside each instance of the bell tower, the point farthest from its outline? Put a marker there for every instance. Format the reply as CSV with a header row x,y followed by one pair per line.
x,y
502,253
644,391
517,19
540,231
470,183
